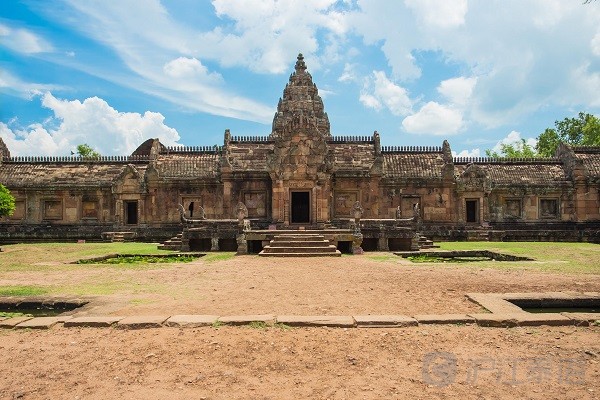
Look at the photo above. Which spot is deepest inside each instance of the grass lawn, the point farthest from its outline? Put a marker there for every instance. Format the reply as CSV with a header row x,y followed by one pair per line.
x,y
548,256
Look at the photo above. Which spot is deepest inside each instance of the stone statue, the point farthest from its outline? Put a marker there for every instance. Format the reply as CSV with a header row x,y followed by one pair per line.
x,y
357,212
398,213
416,212
242,212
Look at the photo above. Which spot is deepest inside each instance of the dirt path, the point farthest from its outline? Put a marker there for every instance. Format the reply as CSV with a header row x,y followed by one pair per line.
x,y
334,286
319,363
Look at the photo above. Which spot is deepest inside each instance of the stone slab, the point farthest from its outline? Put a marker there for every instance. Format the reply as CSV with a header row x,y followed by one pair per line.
x,y
444,319
12,322
246,319
42,322
521,319
191,321
582,317
92,322
377,321
494,303
337,321
142,322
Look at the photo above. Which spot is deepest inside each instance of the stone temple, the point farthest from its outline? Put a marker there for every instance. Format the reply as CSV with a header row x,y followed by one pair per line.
x,y
357,193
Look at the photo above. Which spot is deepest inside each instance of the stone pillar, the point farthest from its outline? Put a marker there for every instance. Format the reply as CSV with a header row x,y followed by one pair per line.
x,y
214,244
242,244
382,243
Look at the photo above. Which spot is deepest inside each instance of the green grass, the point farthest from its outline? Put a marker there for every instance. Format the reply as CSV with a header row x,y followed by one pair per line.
x,y
213,257
35,257
140,259
13,314
548,256
22,290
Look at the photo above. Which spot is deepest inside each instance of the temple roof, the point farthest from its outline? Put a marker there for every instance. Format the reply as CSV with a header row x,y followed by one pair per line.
x,y
188,166
413,165
590,157
67,175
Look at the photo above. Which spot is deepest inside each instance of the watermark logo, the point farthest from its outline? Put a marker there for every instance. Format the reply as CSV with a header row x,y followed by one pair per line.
x,y
439,368
442,369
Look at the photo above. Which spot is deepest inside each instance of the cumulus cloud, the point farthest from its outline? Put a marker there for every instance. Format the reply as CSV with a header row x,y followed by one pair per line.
x,y
189,68
457,90
266,35
23,40
513,138
467,153
434,119
514,55
439,13
379,91
92,121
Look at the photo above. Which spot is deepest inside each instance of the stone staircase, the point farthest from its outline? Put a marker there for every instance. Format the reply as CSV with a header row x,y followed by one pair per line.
x,y
119,237
425,243
172,244
299,245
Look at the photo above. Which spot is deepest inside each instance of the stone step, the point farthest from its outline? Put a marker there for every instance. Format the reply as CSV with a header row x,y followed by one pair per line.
x,y
328,249
307,243
298,237
336,254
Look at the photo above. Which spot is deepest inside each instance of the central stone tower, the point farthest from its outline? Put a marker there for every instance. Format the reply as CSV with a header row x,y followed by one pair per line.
x,y
300,166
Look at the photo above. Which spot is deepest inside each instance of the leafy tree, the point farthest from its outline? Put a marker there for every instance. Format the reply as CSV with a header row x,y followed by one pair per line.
x,y
85,151
583,130
7,202
513,150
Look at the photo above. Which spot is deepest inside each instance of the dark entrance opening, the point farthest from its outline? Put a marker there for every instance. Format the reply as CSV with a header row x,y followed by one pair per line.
x,y
472,207
300,207
131,211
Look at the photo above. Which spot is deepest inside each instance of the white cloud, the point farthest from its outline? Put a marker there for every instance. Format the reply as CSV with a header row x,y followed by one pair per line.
x,y
457,90
434,119
467,153
595,44
349,73
92,121
265,35
189,68
513,138
518,58
378,90
439,13
16,86
23,40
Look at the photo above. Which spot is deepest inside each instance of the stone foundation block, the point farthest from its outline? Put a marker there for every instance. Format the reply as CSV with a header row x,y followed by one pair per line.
x,y
42,322
378,321
12,322
142,322
444,319
92,322
191,321
317,320
521,319
247,319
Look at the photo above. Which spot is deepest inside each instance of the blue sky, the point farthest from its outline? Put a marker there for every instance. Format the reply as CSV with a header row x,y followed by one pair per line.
x,y
115,73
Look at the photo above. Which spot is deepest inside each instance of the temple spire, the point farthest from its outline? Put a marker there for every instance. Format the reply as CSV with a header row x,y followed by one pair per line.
x,y
300,64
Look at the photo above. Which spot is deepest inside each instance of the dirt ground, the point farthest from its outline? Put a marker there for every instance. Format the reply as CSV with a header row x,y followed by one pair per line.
x,y
277,363
301,363
332,286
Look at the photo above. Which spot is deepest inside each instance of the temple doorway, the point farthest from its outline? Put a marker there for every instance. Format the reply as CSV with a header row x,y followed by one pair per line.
x,y
300,210
131,212
472,209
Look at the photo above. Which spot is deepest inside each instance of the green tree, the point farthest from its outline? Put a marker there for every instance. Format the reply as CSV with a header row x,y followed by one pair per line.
x,y
85,151
7,202
583,130
513,150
